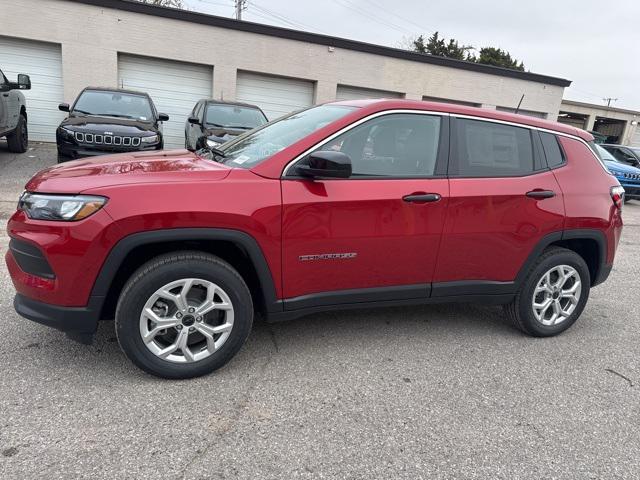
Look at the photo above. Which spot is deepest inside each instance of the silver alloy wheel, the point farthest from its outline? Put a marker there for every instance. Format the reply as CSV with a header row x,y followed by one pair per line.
x,y
556,295
187,320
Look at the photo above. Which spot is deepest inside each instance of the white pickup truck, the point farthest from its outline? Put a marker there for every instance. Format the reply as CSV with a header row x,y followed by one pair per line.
x,y
13,112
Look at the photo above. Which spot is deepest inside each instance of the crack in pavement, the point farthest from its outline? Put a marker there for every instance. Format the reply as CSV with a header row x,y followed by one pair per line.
x,y
237,411
610,370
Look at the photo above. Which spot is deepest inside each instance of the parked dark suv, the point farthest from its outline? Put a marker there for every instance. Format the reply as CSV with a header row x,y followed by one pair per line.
x,y
13,112
344,205
107,120
624,154
214,122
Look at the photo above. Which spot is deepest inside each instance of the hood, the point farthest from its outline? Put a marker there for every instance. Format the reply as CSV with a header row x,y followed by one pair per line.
x,y
170,166
621,167
117,126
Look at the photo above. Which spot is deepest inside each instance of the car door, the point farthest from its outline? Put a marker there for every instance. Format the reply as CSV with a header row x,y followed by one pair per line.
x,y
4,104
503,200
194,130
373,236
629,157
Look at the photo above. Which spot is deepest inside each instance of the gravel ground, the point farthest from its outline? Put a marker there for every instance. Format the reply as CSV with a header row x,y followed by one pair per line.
x,y
446,391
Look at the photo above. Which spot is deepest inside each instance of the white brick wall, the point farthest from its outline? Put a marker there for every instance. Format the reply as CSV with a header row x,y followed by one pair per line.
x,y
91,38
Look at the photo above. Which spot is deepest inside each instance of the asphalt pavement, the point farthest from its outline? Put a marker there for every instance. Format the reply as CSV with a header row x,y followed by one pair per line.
x,y
437,392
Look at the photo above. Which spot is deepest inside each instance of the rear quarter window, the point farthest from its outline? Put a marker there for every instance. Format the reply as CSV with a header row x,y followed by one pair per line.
x,y
552,150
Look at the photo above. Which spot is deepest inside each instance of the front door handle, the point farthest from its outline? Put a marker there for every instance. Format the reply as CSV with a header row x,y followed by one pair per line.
x,y
539,193
422,197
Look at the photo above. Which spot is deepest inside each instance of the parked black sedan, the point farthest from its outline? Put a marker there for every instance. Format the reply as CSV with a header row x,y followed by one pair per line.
x,y
213,122
107,120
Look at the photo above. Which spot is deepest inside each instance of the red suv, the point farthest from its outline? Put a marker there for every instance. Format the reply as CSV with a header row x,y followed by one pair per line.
x,y
350,204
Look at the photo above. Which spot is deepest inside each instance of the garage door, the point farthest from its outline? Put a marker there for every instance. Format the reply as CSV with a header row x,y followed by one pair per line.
x,y
43,63
276,96
356,93
635,138
175,87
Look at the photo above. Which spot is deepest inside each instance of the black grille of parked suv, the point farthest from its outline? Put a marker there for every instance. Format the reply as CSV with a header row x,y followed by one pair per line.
x,y
107,139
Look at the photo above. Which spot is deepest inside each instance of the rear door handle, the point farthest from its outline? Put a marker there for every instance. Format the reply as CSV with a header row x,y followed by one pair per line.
x,y
538,193
421,197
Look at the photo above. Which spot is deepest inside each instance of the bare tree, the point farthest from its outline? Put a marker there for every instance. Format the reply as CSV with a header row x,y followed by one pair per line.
x,y
164,3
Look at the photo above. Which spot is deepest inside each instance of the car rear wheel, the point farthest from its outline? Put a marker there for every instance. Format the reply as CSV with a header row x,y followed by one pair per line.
x,y
18,140
183,315
553,295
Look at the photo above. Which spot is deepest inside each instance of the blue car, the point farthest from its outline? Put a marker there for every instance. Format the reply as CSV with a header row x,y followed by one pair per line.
x,y
628,176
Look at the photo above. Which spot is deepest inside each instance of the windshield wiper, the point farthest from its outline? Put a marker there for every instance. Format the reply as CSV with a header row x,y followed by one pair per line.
x,y
212,153
215,124
82,112
242,127
117,115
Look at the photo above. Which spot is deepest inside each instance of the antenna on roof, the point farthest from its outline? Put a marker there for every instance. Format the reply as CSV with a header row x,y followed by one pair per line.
x,y
519,103
221,94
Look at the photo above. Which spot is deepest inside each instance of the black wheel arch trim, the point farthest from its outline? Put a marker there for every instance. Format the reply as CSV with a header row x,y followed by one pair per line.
x,y
246,242
602,269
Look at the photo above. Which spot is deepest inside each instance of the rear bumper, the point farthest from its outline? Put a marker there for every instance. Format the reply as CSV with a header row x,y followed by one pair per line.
x,y
80,323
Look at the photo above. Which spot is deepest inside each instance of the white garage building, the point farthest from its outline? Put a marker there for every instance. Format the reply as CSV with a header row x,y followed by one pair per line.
x,y
179,57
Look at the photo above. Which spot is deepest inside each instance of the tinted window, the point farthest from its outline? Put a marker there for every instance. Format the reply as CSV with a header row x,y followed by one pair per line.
x,y
552,150
486,149
391,146
234,116
113,104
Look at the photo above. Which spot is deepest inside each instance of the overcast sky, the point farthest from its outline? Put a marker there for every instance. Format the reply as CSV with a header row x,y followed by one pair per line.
x,y
594,43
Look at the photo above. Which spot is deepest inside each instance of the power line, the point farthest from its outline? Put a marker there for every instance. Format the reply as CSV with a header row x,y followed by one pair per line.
x,y
365,13
408,21
279,16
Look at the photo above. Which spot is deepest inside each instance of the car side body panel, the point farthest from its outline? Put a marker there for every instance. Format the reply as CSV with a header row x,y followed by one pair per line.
x,y
588,207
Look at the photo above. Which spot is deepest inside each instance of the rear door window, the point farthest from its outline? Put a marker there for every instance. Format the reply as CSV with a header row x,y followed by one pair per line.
x,y
487,149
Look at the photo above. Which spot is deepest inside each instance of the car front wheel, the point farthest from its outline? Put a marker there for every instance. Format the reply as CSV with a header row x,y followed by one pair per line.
x,y
553,295
18,141
183,315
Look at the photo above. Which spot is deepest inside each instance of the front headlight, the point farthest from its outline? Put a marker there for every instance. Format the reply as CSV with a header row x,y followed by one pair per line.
x,y
150,140
67,208
69,134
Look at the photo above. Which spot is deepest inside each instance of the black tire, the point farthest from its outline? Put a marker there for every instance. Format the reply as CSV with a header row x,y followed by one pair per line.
x,y
62,157
159,272
520,310
18,140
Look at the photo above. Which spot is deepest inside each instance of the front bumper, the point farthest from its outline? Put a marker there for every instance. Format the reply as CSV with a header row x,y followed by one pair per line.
x,y
631,191
79,323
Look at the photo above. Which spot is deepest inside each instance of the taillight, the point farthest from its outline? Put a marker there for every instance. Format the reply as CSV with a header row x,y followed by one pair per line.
x,y
617,195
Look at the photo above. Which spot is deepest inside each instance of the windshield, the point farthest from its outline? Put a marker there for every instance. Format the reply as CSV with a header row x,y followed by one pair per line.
x,y
234,116
254,147
114,104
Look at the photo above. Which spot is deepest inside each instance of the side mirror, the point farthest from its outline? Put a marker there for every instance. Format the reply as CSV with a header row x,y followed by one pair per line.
x,y
24,82
326,165
163,117
194,120
63,107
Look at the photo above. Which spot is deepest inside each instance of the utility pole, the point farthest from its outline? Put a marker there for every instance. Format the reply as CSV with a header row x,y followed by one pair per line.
x,y
240,6
609,100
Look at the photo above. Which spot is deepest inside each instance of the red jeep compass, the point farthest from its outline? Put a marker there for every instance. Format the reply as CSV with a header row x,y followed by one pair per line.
x,y
342,205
